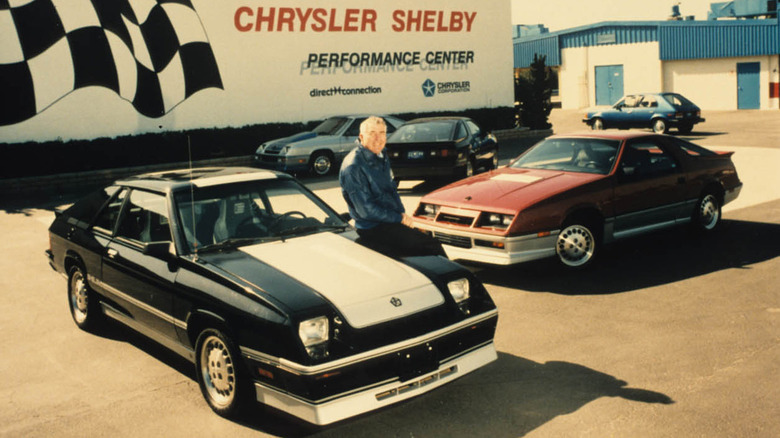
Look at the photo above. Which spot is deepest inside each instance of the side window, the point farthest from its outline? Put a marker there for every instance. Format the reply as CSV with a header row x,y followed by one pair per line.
x,y
645,158
475,131
145,218
630,102
649,102
354,128
390,127
461,132
106,220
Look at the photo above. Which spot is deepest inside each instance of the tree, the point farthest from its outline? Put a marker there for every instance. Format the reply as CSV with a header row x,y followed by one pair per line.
x,y
533,90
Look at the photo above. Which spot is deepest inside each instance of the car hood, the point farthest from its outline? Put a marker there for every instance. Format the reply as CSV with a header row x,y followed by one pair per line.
x,y
508,190
366,287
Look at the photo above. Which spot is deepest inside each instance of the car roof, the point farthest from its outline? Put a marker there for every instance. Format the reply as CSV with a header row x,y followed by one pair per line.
x,y
171,180
438,119
608,135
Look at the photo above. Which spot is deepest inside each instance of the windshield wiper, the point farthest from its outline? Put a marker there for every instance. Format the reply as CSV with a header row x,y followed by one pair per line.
x,y
232,243
308,229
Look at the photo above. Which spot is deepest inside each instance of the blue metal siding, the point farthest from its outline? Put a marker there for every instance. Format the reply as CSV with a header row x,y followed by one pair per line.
x,y
718,39
610,34
676,39
548,46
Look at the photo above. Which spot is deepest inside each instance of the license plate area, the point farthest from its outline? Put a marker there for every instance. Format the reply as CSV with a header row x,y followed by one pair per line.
x,y
416,361
415,155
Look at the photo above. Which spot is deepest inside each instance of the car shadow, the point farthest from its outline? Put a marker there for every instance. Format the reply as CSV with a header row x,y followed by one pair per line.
x,y
652,260
510,397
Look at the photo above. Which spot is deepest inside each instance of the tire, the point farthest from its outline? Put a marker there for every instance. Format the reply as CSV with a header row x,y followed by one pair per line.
x,y
321,163
660,126
221,374
83,303
494,161
597,125
577,244
468,169
685,128
707,214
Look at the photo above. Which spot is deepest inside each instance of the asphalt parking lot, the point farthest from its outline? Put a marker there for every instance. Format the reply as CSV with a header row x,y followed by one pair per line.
x,y
666,335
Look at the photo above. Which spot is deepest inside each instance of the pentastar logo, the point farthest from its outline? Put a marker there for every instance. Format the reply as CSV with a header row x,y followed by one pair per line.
x,y
428,88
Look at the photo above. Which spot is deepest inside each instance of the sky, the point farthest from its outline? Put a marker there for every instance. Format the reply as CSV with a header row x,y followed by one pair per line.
x,y
565,14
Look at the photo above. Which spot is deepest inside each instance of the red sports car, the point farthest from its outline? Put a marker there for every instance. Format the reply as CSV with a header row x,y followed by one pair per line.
x,y
569,194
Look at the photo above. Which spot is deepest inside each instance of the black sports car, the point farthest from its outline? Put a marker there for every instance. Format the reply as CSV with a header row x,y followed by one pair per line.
x,y
254,279
441,147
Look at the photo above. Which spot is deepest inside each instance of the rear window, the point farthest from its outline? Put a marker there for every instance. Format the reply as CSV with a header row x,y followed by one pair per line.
x,y
677,99
426,132
690,148
82,212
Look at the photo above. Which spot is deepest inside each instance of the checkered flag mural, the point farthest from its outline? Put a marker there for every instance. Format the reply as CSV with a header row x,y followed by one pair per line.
x,y
152,53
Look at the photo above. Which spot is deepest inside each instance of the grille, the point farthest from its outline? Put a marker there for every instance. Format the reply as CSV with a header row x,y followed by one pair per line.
x,y
453,219
449,239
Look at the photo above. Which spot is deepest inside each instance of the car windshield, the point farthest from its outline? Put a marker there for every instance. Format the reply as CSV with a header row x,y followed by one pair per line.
x,y
331,126
423,132
229,215
588,155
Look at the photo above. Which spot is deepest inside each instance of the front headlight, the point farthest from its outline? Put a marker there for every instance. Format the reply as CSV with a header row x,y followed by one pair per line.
x,y
459,289
314,334
428,210
285,150
261,148
496,220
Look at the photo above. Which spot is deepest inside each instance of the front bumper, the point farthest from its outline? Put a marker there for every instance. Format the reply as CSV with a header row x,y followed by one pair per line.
x,y
282,163
496,250
376,378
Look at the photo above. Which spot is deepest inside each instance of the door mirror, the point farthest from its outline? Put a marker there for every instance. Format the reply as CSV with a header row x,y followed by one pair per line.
x,y
161,250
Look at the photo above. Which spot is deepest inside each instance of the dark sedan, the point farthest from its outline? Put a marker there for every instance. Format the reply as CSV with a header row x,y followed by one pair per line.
x,y
263,287
441,147
569,194
657,111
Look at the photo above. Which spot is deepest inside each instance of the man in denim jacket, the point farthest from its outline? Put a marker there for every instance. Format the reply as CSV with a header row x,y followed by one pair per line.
x,y
368,187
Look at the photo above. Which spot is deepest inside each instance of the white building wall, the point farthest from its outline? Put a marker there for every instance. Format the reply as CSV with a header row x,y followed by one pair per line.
x,y
712,83
264,53
642,71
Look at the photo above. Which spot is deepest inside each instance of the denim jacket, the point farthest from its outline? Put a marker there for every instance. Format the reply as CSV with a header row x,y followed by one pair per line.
x,y
367,186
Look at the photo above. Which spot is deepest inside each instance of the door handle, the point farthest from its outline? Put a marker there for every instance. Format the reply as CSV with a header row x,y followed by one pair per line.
x,y
111,252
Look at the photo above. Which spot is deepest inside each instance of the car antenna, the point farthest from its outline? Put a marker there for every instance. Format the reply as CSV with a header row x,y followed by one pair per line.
x,y
192,198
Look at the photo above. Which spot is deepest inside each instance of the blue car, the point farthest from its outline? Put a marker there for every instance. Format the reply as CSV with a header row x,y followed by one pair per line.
x,y
657,111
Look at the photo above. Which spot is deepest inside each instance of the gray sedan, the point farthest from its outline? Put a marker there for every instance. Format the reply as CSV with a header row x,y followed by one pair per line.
x,y
316,151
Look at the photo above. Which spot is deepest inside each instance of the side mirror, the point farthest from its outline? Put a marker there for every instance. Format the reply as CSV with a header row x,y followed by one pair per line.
x,y
161,250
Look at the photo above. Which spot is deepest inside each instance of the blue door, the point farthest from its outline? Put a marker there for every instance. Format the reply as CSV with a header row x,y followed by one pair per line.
x,y
748,85
609,84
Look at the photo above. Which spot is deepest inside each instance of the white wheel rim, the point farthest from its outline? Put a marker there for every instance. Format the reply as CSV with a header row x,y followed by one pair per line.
x,y
79,298
218,371
575,245
708,212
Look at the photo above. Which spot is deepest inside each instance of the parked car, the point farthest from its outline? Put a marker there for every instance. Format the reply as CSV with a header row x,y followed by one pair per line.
x,y
657,111
569,194
263,287
440,147
318,151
